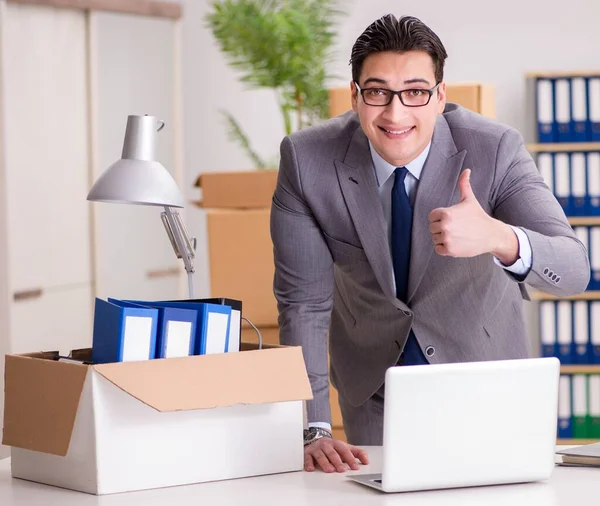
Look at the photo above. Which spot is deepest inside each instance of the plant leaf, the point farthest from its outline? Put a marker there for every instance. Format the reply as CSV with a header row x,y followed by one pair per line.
x,y
236,134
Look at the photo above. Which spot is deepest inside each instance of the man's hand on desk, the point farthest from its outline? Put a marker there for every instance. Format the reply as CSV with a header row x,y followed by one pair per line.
x,y
332,455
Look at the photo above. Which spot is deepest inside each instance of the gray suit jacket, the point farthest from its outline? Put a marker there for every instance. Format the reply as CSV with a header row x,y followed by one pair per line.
x,y
333,267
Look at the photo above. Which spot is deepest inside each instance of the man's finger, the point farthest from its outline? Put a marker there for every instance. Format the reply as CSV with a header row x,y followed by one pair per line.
x,y
441,249
322,461
438,214
438,238
464,184
435,227
309,464
360,454
334,458
348,456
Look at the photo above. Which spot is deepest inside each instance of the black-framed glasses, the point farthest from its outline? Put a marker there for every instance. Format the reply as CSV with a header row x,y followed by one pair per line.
x,y
380,97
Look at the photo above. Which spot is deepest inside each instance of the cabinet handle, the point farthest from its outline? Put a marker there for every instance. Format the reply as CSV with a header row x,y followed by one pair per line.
x,y
163,273
34,293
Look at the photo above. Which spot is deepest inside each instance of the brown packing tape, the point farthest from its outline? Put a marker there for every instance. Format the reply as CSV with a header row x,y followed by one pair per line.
x,y
41,401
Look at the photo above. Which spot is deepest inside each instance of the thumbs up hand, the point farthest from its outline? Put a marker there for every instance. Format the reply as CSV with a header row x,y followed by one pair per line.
x,y
466,230
464,185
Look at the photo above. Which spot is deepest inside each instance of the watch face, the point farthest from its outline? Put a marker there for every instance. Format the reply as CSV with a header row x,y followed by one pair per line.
x,y
314,433
310,436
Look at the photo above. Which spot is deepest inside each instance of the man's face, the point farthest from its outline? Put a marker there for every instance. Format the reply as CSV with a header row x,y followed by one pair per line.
x,y
399,133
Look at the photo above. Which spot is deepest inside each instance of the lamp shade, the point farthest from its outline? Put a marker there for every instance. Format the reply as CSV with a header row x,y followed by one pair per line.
x,y
137,178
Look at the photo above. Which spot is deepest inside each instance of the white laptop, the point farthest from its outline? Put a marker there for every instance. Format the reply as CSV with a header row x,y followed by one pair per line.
x,y
468,424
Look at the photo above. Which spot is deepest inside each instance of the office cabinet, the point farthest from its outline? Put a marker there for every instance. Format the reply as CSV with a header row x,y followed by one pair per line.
x,y
44,164
70,74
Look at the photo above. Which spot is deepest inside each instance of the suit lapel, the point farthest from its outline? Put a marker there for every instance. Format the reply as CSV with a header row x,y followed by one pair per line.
x,y
437,185
359,187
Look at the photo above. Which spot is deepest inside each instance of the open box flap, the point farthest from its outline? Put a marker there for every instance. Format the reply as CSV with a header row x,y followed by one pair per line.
x,y
210,381
41,401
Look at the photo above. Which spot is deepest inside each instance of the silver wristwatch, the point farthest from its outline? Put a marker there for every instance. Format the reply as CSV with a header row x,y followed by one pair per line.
x,y
313,433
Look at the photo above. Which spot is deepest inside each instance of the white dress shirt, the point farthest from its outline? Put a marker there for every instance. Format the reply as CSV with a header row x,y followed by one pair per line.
x,y
384,172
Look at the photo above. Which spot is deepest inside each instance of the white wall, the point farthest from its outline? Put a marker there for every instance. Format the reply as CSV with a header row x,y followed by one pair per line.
x,y
496,47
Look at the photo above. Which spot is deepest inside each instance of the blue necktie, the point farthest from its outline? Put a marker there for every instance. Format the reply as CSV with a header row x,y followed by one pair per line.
x,y
401,231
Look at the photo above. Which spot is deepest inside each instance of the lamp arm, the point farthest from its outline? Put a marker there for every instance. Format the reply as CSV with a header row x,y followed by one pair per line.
x,y
182,245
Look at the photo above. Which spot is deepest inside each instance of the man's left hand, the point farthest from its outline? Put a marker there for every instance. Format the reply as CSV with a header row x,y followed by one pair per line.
x,y
466,230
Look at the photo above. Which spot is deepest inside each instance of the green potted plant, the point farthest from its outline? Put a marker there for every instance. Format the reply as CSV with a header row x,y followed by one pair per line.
x,y
283,45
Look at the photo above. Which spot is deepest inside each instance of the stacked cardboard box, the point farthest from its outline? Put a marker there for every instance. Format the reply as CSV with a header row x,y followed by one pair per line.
x,y
240,251
239,241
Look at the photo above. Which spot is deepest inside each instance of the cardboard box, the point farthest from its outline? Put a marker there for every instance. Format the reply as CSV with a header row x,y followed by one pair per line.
x,y
340,101
237,190
270,336
128,426
475,96
240,255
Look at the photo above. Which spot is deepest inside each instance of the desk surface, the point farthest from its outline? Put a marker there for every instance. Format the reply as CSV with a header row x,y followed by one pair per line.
x,y
567,486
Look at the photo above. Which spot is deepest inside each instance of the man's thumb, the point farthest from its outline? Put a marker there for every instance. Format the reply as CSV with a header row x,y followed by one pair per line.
x,y
466,193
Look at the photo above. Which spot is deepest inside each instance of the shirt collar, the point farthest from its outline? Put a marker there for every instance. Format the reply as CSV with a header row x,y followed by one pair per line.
x,y
384,170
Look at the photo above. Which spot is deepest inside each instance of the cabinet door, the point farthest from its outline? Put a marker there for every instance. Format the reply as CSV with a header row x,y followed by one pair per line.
x,y
133,72
46,162
52,320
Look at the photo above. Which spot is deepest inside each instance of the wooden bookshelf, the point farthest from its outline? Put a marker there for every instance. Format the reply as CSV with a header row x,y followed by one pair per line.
x,y
580,369
584,220
589,295
563,73
555,147
576,442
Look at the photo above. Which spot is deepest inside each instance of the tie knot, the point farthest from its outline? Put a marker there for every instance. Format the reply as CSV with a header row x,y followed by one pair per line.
x,y
400,174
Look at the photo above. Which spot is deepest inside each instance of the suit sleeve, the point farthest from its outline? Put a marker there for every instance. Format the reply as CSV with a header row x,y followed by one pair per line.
x,y
303,282
560,264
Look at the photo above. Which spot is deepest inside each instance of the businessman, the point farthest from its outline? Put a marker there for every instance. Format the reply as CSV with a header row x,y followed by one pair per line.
x,y
404,233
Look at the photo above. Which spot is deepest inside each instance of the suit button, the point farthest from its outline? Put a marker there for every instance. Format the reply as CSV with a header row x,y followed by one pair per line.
x,y
429,351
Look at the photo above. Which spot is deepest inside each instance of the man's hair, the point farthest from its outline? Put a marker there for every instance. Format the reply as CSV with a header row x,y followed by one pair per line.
x,y
398,35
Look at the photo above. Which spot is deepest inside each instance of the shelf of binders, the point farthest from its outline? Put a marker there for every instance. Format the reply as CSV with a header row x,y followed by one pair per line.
x,y
567,152
578,407
567,110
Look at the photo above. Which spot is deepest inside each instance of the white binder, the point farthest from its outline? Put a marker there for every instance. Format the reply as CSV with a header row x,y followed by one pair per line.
x,y
565,331
578,185
562,92
581,335
544,162
548,328
562,183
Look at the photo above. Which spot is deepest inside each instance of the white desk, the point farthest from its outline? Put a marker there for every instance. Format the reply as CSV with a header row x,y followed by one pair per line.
x,y
567,486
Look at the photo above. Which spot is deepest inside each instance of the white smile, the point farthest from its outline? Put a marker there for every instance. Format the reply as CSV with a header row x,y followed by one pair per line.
x,y
397,132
